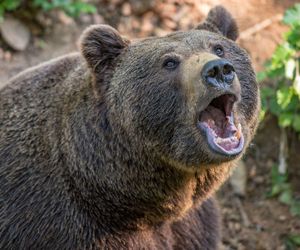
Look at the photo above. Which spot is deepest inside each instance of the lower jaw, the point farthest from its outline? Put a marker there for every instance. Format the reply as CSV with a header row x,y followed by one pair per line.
x,y
219,149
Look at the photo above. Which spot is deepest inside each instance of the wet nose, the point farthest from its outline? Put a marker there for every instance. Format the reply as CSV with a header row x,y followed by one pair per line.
x,y
217,72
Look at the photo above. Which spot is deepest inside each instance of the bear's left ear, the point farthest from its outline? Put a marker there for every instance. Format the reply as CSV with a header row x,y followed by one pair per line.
x,y
219,20
101,45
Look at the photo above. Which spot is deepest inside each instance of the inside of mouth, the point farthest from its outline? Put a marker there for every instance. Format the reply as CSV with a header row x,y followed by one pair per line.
x,y
219,121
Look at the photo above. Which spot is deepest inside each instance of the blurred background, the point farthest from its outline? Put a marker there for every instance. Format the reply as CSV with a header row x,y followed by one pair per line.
x,y
260,204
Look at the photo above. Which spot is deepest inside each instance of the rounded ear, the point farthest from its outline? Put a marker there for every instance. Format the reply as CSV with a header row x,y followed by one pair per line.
x,y
101,45
219,20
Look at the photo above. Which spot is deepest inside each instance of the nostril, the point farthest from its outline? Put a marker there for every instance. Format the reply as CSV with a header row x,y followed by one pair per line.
x,y
228,69
228,73
213,72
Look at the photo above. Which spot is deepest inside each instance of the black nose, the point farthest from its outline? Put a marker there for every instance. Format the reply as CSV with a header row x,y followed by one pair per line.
x,y
217,72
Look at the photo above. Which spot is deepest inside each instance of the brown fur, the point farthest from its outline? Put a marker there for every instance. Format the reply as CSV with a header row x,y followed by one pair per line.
x,y
99,150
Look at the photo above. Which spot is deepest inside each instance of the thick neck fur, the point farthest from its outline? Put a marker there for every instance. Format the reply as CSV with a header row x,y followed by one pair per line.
x,y
121,185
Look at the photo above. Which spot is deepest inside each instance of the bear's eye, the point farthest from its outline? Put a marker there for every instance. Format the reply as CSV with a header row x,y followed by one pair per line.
x,y
219,51
171,63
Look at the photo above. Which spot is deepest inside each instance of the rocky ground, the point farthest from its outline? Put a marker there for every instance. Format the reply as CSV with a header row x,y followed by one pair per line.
x,y
251,221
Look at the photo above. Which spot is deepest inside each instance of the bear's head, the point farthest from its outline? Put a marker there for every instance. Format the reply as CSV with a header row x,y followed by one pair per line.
x,y
190,98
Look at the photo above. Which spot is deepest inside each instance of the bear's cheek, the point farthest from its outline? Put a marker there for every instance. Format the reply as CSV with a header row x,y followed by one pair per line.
x,y
150,111
249,107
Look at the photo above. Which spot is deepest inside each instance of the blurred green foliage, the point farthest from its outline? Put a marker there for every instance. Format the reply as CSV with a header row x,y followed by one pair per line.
x,y
8,5
292,242
282,189
72,8
283,101
283,69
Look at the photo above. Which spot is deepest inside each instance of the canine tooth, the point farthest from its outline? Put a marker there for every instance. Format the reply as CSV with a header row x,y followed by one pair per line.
x,y
238,133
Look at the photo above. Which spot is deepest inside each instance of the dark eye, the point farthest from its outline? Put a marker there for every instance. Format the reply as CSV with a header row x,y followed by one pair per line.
x,y
219,51
171,63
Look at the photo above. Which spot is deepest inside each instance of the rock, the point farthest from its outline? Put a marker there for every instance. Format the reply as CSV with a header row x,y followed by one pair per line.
x,y
170,24
147,22
139,7
15,33
161,32
282,217
64,18
7,56
126,9
86,19
203,9
259,179
44,20
238,179
1,53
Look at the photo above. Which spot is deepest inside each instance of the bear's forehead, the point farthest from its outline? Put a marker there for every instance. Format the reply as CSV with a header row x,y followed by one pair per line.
x,y
181,41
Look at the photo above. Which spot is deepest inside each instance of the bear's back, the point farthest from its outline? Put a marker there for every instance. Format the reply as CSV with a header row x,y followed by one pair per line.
x,y
35,206
31,104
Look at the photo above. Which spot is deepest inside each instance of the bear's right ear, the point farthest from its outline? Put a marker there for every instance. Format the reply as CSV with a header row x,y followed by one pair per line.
x,y
219,20
101,45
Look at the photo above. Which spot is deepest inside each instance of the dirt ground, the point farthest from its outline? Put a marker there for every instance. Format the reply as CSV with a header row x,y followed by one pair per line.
x,y
252,222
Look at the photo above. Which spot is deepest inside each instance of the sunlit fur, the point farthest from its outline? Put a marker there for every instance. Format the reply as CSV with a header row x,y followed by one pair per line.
x,y
99,149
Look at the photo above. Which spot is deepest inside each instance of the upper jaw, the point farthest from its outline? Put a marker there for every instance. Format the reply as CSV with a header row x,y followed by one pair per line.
x,y
219,124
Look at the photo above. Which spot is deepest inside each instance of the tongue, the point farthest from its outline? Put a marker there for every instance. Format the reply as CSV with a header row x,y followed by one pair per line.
x,y
222,125
229,127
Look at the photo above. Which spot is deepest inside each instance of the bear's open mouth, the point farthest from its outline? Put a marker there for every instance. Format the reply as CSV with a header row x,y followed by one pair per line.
x,y
217,121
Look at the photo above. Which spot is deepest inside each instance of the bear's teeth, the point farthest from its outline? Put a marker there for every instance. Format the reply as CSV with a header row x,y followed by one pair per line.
x,y
211,123
238,133
232,139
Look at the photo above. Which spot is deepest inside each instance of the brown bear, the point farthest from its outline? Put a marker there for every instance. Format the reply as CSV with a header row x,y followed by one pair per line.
x,y
122,145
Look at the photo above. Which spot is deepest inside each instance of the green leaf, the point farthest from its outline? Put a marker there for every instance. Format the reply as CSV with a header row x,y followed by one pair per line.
x,y
286,197
292,16
84,7
276,72
274,107
285,119
281,55
267,92
296,123
70,7
284,96
292,37
296,85
294,105
12,4
74,9
9,5
44,5
291,242
295,239
295,208
276,189
262,114
277,178
261,76
290,67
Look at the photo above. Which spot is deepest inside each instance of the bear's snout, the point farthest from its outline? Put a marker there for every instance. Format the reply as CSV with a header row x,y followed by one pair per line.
x,y
218,73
